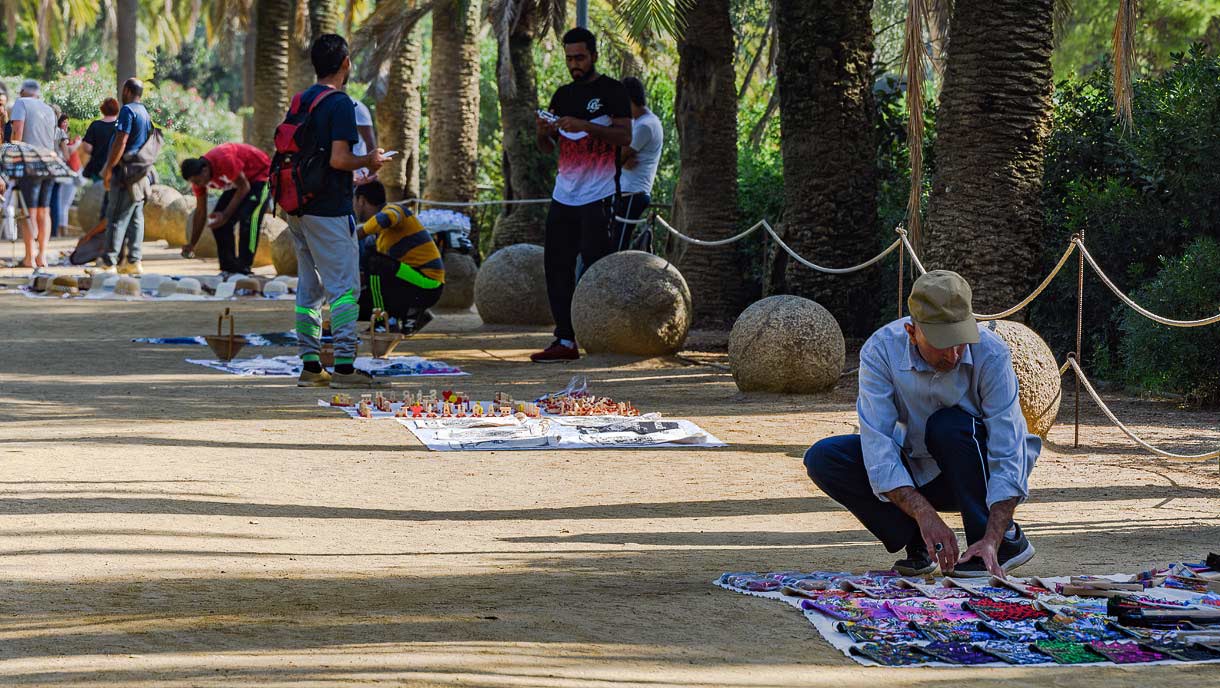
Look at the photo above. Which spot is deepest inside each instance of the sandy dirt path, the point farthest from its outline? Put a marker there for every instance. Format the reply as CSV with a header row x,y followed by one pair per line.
x,y
165,525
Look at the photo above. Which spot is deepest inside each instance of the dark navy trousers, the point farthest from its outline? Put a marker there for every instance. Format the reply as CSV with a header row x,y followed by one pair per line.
x,y
957,442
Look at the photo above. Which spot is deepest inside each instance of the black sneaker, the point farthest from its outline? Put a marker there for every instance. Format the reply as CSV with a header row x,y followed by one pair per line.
x,y
1011,554
411,326
917,562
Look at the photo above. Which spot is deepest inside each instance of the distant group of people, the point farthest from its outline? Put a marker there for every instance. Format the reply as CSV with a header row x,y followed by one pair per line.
x,y
46,200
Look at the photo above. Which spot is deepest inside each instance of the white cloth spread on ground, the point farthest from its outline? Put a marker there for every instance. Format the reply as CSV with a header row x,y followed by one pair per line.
x,y
290,366
559,432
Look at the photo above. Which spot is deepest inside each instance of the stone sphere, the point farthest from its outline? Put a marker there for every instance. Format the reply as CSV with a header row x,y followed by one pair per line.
x,y
89,205
128,286
160,197
188,285
176,220
786,344
284,253
1039,386
460,273
510,288
270,229
631,302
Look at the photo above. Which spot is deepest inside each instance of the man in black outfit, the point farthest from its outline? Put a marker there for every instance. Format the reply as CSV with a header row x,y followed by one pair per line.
x,y
594,121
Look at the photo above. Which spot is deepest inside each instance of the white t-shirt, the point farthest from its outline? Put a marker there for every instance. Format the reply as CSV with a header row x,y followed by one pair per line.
x,y
647,137
364,118
39,121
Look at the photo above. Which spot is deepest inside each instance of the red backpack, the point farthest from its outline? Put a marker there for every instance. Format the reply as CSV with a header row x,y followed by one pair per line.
x,y
301,164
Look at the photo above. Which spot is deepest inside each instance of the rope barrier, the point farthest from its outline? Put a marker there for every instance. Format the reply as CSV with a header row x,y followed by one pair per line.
x,y
1135,306
1036,293
1119,424
478,204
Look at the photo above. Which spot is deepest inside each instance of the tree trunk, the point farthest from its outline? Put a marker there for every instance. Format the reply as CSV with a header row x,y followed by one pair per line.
x,y
324,17
248,61
824,69
127,20
271,70
398,116
985,218
453,102
527,172
705,202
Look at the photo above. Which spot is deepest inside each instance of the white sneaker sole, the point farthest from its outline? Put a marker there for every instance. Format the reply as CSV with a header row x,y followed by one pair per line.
x,y
1019,560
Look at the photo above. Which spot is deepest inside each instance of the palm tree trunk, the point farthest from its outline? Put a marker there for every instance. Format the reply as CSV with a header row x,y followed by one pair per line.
x,y
398,116
453,102
824,67
127,19
527,172
271,70
985,217
324,17
705,202
248,62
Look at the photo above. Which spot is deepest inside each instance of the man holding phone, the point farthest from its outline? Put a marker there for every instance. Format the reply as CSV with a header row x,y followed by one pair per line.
x,y
589,120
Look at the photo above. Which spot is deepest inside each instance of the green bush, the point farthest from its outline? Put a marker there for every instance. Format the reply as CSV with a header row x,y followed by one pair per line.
x,y
1136,195
177,148
1175,359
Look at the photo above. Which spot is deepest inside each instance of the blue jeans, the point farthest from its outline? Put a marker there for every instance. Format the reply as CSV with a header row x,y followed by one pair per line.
x,y
124,223
958,444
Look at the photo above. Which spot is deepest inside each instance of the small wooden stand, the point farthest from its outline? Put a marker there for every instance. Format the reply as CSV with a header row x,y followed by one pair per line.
x,y
382,344
225,346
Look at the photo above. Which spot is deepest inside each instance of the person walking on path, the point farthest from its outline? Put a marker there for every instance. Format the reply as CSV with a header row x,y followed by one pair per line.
x,y
590,119
125,200
241,171
640,161
324,233
403,273
65,190
34,123
940,430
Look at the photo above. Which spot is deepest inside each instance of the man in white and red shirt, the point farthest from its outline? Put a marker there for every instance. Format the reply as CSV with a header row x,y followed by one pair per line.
x,y
241,172
591,121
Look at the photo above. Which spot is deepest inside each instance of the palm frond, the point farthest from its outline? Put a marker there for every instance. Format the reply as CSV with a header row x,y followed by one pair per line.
x,y
1124,61
301,34
913,55
1064,9
377,42
939,15
503,16
645,18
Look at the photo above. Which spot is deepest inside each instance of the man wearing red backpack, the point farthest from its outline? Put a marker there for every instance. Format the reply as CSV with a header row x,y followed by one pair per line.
x,y
312,182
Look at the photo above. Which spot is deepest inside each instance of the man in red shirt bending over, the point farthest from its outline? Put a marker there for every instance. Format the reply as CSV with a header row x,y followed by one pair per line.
x,y
241,171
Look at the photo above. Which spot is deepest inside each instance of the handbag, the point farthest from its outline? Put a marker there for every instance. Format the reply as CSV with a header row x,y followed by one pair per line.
x,y
136,166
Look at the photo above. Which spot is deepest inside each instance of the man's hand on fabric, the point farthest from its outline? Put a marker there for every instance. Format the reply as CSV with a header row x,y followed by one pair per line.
x,y
940,540
985,549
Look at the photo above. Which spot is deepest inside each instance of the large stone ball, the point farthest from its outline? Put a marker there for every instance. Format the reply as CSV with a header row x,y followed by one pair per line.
x,y
1039,386
460,273
510,288
89,205
270,229
284,253
160,197
631,302
176,220
786,344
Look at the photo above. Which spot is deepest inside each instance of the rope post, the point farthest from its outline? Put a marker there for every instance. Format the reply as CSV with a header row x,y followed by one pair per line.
x,y
901,255
1079,329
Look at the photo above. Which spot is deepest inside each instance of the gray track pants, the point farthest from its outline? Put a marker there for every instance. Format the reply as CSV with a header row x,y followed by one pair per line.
x,y
328,268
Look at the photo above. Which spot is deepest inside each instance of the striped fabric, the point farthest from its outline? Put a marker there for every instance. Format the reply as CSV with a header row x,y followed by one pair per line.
x,y
401,237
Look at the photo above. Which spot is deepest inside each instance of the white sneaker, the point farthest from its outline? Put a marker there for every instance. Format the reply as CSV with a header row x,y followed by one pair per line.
x,y
102,270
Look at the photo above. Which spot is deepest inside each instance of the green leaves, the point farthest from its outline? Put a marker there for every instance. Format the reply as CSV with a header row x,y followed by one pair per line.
x,y
645,18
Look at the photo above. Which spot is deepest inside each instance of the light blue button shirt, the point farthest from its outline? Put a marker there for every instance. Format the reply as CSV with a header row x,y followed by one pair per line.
x,y
899,391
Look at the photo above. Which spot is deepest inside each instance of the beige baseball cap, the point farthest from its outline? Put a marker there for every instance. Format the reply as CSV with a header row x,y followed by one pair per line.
x,y
940,304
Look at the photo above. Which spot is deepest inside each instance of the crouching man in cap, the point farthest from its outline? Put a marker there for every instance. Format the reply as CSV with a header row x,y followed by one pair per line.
x,y
940,430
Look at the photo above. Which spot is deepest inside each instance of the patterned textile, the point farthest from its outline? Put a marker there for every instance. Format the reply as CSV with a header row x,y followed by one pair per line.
x,y
957,653
1069,653
19,160
954,631
1128,652
879,630
1180,650
999,610
892,654
844,608
1013,652
931,610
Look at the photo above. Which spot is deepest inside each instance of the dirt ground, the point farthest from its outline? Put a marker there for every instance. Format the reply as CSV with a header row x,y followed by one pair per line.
x,y
163,524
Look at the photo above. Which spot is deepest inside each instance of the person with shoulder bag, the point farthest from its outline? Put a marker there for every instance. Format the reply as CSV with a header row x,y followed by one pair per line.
x,y
133,152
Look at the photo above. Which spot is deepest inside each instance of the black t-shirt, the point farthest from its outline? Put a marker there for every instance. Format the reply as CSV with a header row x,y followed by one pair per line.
x,y
588,165
98,135
333,120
